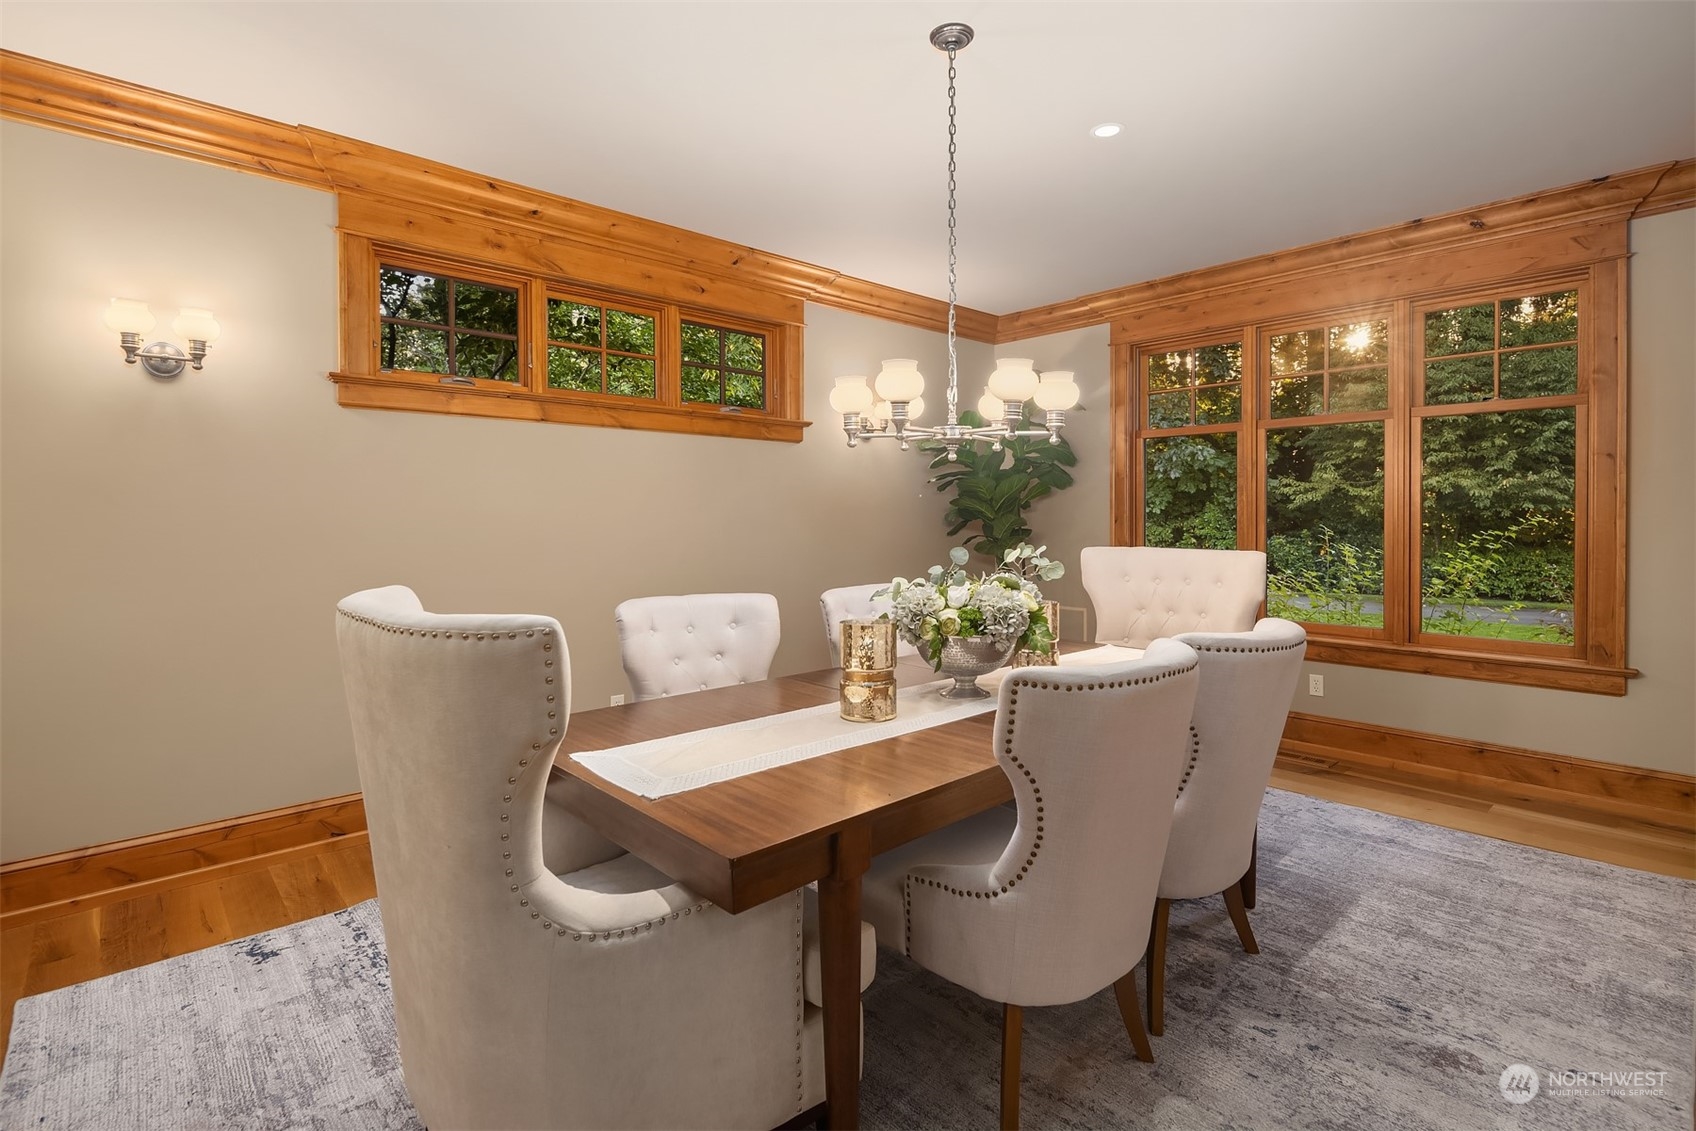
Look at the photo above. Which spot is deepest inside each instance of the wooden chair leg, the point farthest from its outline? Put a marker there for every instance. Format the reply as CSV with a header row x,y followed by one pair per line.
x,y
1239,917
1125,989
1247,882
1012,1033
1157,967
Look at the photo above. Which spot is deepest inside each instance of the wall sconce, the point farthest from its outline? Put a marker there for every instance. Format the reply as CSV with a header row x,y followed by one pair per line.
x,y
131,319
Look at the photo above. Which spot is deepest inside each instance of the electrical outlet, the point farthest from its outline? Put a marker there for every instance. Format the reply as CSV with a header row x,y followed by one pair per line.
x,y
618,700
1316,685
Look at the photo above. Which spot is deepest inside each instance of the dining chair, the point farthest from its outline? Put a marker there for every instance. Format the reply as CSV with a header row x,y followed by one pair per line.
x,y
675,645
854,602
596,997
1142,593
1050,904
1247,679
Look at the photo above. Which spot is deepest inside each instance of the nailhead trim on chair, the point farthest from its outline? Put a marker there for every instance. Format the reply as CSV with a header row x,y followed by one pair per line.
x,y
1195,752
1036,790
1247,647
523,763
800,1008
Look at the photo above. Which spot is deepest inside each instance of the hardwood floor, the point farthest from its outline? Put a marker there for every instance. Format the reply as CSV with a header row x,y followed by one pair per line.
x,y
122,934
199,910
1596,834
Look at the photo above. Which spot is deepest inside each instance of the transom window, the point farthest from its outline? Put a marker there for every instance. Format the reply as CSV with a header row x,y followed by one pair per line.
x,y
593,348
435,323
440,334
723,366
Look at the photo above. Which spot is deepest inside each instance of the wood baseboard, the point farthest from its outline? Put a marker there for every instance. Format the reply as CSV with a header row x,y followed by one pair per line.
x,y
1654,796
44,887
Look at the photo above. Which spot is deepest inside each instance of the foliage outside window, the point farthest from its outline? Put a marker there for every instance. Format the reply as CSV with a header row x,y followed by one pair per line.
x,y
433,323
595,348
1414,473
723,366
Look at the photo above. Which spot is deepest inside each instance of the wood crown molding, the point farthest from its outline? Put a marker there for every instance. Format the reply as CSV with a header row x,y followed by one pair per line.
x,y
1650,795
107,109
1658,188
49,94
58,97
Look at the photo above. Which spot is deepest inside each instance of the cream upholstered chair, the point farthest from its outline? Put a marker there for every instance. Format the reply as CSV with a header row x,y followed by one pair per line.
x,y
1142,593
1247,679
599,997
674,645
854,602
1052,905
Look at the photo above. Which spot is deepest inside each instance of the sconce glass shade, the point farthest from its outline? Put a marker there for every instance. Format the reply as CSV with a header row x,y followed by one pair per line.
x,y
128,316
196,325
991,407
915,408
1057,391
900,380
1013,379
878,414
851,394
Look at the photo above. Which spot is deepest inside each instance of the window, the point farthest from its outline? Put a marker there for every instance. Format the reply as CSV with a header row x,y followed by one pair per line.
x,y
600,349
1435,477
438,324
432,334
723,366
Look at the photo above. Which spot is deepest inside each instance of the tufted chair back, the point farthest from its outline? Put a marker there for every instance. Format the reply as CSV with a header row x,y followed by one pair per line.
x,y
1094,755
675,645
1247,679
854,602
1142,593
522,998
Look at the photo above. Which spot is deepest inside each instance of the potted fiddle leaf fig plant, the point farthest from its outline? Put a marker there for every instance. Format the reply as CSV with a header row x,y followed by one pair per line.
x,y
993,489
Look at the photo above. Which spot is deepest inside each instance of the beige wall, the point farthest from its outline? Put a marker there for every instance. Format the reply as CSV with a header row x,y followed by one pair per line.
x,y
171,553
1655,724
1069,520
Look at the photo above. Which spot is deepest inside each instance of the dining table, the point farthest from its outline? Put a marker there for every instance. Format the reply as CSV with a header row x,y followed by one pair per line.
x,y
753,838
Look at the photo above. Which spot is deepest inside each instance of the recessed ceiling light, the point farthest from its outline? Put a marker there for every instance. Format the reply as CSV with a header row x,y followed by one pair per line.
x,y
1106,129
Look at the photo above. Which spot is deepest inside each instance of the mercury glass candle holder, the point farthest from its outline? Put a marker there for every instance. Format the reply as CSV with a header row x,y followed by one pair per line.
x,y
868,670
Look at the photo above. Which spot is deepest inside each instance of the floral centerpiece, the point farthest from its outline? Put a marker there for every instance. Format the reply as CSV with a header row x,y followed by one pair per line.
x,y
1004,609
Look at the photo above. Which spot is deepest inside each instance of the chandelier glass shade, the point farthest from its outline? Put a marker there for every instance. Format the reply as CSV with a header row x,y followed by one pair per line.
x,y
889,406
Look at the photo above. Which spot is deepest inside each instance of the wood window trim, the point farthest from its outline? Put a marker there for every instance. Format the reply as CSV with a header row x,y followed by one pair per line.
x,y
1590,254
361,383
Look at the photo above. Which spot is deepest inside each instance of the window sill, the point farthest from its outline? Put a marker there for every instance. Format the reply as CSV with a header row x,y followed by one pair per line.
x,y
1494,667
355,390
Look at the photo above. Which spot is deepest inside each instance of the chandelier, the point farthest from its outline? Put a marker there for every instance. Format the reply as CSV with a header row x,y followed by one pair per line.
x,y
888,407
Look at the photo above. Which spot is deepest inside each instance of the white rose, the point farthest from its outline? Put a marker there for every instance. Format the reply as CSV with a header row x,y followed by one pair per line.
x,y
958,595
1031,603
949,621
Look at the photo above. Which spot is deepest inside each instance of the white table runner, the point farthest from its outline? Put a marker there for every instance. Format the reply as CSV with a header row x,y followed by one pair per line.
x,y
660,767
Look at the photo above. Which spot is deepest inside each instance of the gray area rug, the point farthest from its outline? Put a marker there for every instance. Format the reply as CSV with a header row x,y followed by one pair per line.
x,y
1404,967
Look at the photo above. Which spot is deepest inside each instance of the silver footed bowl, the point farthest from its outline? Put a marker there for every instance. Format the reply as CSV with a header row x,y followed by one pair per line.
x,y
967,657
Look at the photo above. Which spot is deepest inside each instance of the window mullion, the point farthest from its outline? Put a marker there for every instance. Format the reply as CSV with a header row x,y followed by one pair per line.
x,y
1402,509
1251,447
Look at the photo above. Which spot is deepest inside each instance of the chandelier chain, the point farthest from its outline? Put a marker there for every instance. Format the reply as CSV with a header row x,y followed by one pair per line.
x,y
953,362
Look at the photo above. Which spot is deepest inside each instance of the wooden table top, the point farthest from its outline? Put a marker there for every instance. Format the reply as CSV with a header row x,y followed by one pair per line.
x,y
750,839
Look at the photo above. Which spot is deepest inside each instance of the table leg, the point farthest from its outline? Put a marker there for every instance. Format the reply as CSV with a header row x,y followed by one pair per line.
x,y
839,968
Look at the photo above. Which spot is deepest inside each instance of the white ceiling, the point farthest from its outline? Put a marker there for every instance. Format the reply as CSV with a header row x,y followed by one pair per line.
x,y
818,130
